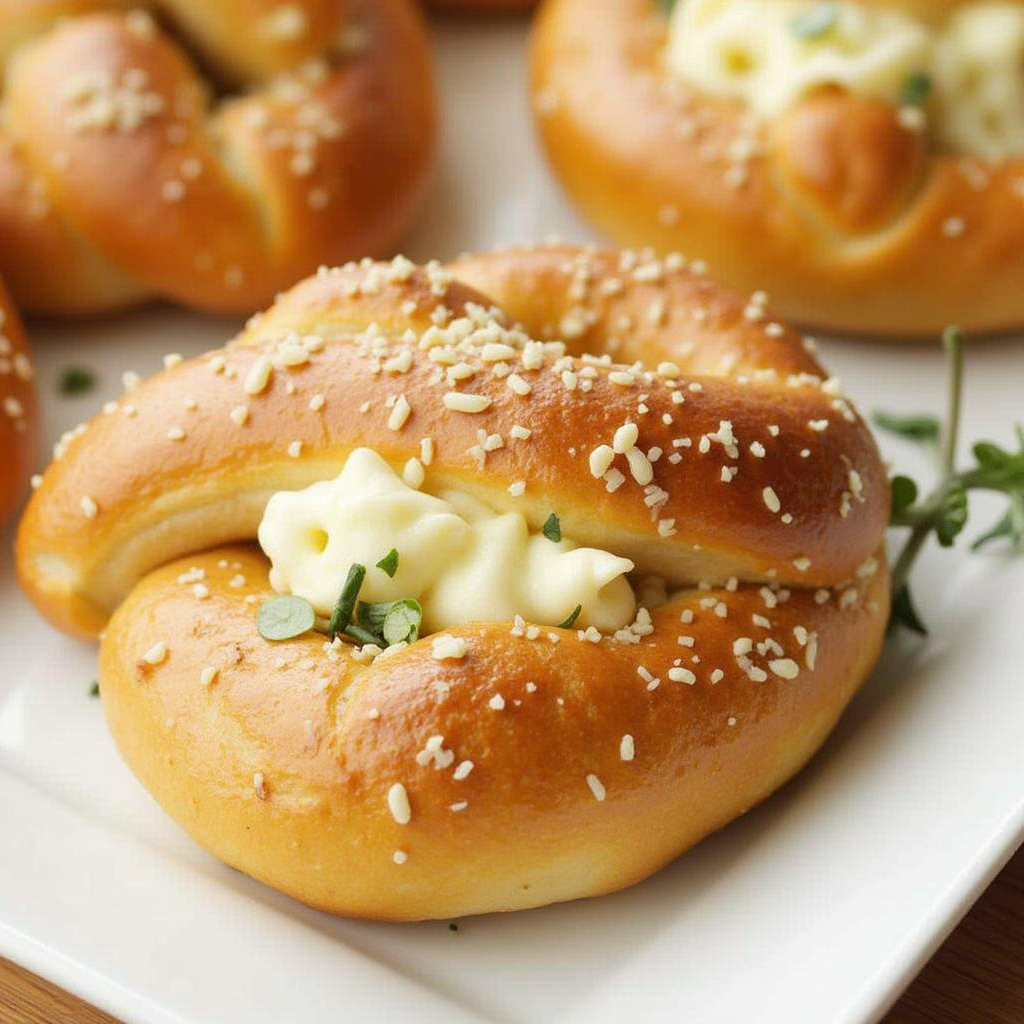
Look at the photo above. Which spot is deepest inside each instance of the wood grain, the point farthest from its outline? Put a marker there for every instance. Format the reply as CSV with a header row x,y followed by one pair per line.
x,y
977,977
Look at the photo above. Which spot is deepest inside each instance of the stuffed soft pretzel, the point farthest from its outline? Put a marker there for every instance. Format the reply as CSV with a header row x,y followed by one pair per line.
x,y
861,160
633,588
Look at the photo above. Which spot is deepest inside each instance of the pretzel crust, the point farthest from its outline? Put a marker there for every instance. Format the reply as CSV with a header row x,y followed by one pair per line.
x,y
121,180
274,772
845,219
18,410
187,476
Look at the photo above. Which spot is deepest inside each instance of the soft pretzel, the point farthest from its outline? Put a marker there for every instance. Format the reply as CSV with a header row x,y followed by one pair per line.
x,y
495,764
122,178
877,204
18,426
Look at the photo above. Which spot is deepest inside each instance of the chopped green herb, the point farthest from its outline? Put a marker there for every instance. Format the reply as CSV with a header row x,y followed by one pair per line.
x,y
94,690
392,621
567,623
360,635
76,381
389,563
552,528
285,617
945,511
915,90
347,599
815,21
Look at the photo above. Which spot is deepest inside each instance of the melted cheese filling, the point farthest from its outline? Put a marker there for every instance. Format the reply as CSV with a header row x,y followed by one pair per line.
x,y
460,560
754,52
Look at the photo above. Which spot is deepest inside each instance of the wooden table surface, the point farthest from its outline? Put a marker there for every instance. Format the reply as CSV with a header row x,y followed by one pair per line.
x,y
977,977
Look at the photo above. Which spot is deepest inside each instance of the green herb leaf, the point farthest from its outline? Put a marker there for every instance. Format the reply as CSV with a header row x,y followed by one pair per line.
x,y
905,614
389,563
402,622
347,599
569,622
925,429
285,617
904,494
991,456
952,516
391,621
915,90
552,528
1010,526
815,21
94,690
76,381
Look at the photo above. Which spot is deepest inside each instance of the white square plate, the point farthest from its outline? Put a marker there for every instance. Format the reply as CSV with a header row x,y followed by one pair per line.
x,y
818,906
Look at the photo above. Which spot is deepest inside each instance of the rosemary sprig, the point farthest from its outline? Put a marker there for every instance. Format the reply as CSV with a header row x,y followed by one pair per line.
x,y
944,512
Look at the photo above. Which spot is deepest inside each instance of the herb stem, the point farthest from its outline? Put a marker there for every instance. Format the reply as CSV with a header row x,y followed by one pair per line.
x,y
953,342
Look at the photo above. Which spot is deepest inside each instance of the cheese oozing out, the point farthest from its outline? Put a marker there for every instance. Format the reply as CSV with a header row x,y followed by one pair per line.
x,y
752,51
462,561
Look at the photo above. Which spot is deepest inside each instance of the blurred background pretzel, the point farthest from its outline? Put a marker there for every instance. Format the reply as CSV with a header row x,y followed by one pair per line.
x,y
861,161
207,152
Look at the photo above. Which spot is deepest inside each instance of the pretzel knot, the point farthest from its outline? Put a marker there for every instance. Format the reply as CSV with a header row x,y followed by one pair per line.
x,y
125,175
502,763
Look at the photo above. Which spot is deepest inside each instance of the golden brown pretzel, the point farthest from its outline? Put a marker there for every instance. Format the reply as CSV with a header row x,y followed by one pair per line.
x,y
122,178
844,209
18,414
284,759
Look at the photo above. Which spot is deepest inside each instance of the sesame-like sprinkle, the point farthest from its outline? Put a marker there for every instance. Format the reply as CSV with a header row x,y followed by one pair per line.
x,y
596,787
459,401
682,675
497,703
625,438
156,654
446,647
398,804
258,377
89,507
259,784
400,413
784,668
240,414
771,499
627,748
399,856
462,770
640,466
601,459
